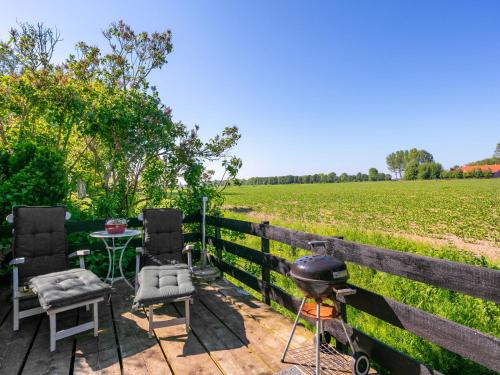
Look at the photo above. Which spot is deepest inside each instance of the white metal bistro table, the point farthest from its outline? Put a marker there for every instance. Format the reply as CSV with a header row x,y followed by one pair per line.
x,y
112,247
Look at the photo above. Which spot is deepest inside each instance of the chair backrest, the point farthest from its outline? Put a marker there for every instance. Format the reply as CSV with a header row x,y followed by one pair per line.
x,y
163,239
40,237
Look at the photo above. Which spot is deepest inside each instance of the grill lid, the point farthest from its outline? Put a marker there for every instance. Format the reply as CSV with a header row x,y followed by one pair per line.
x,y
319,268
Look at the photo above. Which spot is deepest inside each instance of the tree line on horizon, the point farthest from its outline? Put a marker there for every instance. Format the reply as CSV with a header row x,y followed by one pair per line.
x,y
318,178
412,164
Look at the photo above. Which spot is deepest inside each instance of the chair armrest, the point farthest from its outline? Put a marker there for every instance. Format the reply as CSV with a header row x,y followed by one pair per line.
x,y
188,249
79,253
16,261
15,276
139,250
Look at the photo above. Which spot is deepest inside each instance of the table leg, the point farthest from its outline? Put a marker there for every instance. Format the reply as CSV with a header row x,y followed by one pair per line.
x,y
120,265
109,257
113,262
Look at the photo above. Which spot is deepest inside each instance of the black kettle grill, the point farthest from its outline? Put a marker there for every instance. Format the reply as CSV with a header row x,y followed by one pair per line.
x,y
323,277
317,275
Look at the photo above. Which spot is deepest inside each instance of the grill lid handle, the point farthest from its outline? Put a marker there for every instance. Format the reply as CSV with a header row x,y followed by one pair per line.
x,y
341,293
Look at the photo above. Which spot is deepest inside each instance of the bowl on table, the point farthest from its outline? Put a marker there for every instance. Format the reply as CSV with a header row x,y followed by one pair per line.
x,y
115,226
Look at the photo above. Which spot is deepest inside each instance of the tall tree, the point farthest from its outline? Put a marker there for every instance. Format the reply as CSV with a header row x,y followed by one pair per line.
x,y
396,162
29,47
373,174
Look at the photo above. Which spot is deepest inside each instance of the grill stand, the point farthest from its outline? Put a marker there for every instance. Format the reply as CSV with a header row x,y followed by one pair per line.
x,y
319,333
360,362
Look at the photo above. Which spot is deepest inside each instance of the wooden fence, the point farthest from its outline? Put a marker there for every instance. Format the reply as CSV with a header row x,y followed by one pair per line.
x,y
475,281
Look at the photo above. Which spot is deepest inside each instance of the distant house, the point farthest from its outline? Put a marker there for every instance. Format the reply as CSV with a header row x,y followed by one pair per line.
x,y
494,168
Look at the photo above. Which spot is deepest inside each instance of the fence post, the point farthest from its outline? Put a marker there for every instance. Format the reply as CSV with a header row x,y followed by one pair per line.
x,y
266,272
218,249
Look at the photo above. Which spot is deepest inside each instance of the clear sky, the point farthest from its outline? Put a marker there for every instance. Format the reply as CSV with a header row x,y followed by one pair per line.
x,y
315,86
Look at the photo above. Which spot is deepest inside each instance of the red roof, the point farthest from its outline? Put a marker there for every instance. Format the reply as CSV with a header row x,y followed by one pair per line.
x,y
493,168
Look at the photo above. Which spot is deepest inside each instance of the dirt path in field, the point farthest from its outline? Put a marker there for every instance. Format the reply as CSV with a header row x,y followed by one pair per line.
x,y
480,248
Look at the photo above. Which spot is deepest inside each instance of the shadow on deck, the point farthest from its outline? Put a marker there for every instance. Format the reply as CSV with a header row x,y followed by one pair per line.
x,y
232,333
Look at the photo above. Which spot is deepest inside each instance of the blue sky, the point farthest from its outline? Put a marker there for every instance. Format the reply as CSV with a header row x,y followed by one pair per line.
x,y
315,86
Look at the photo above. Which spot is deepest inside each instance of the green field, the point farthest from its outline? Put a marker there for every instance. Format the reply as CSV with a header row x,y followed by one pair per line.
x,y
435,218
467,209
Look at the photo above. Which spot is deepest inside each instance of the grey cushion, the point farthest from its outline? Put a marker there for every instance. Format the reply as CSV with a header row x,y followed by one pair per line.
x,y
158,284
40,237
65,288
163,240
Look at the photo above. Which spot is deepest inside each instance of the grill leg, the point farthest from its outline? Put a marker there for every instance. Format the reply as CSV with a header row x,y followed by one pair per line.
x,y
318,335
322,331
293,329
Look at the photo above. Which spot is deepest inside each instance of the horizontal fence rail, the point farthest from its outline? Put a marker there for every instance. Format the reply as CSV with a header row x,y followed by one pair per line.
x,y
471,280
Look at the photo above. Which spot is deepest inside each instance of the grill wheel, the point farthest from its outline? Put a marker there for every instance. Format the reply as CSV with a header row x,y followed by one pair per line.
x,y
360,363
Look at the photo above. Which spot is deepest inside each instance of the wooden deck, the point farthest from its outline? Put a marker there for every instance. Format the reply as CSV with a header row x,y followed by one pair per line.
x,y
232,333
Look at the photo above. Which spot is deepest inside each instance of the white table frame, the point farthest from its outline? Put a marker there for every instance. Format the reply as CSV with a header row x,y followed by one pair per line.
x,y
129,234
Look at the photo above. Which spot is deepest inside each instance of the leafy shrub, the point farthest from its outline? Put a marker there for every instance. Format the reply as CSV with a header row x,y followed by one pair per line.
x,y
488,173
431,170
32,175
411,171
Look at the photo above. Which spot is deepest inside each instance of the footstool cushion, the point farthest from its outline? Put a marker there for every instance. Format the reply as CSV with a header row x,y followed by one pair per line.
x,y
162,284
64,288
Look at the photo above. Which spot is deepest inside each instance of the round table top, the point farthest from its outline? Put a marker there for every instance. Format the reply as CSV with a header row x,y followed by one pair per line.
x,y
104,234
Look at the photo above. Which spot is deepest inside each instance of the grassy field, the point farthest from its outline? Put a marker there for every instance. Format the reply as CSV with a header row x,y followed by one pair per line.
x,y
445,219
467,209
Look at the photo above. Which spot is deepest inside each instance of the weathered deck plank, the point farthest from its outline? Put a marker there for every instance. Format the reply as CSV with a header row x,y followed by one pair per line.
x,y
184,352
15,345
259,340
233,356
5,305
140,354
97,354
40,360
275,323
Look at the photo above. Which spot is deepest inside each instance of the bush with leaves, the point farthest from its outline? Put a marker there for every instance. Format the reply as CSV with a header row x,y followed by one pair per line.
x,y
31,174
411,171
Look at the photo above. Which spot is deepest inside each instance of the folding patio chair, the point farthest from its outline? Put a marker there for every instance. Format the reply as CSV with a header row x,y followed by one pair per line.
x,y
41,270
162,274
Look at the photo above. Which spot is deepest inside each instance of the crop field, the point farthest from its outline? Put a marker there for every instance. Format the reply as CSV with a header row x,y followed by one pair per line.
x,y
465,209
456,220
